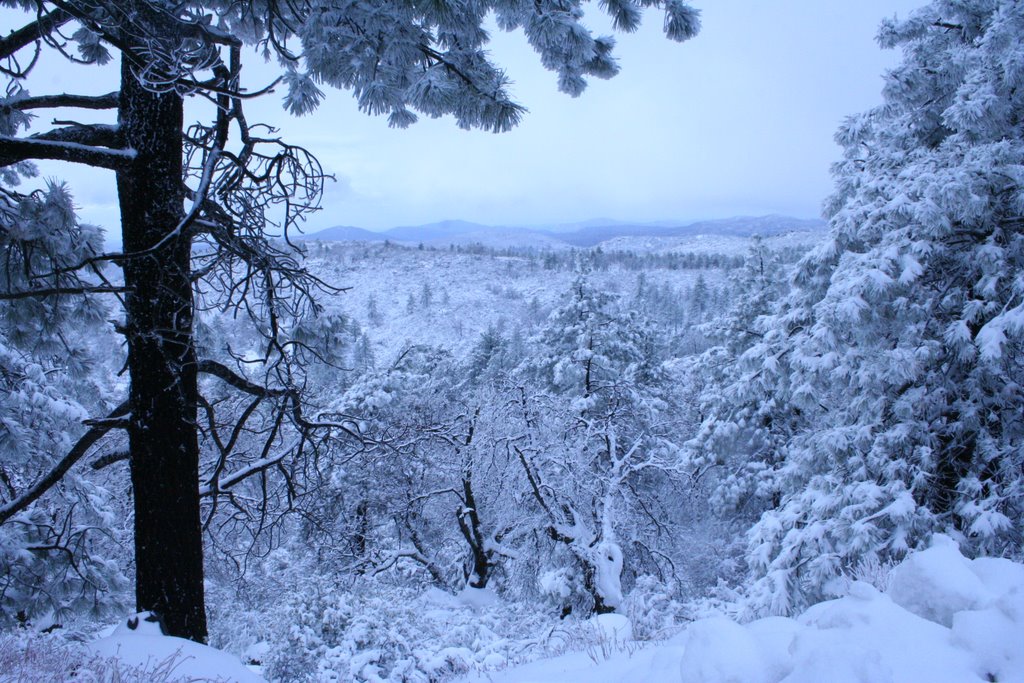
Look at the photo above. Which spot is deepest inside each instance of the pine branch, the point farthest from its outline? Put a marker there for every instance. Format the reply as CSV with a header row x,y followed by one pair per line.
x,y
30,33
108,101
93,145
74,455
60,291
109,459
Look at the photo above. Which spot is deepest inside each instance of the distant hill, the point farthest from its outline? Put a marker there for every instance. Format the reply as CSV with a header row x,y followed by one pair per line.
x,y
584,234
345,233
433,231
741,226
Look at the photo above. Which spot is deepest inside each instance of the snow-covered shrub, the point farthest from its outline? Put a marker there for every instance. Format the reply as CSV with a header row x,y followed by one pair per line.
x,y
654,609
944,619
874,571
562,590
377,632
29,656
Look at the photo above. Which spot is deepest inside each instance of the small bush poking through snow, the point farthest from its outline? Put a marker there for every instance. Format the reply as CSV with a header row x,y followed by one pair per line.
x,y
32,657
27,657
653,610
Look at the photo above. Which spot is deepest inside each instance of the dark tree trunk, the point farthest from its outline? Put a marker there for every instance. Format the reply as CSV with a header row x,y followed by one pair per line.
x,y
468,516
472,532
590,584
361,538
162,363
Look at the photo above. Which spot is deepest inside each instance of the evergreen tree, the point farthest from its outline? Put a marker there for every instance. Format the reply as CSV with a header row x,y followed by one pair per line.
x,y
56,551
489,356
373,314
739,443
898,356
700,297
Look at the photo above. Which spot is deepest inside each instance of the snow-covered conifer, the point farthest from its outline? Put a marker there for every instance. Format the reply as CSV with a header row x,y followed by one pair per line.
x,y
57,546
900,345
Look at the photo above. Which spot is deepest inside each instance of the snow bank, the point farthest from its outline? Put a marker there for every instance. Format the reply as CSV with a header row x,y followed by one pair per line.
x,y
730,652
612,628
866,637
938,583
477,598
943,619
140,646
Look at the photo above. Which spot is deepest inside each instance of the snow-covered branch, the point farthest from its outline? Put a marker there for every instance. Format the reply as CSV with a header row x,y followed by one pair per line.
x,y
92,145
81,447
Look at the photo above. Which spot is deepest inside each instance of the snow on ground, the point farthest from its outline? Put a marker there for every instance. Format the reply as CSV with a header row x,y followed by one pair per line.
x,y
942,619
140,647
727,245
468,292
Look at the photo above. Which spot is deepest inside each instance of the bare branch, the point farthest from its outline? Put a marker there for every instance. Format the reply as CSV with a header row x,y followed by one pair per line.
x,y
108,101
289,395
224,373
60,291
257,467
109,459
30,33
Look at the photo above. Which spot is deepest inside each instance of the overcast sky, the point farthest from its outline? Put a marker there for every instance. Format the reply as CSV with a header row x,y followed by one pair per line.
x,y
737,121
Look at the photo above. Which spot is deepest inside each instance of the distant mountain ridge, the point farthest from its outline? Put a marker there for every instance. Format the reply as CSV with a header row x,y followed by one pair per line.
x,y
584,234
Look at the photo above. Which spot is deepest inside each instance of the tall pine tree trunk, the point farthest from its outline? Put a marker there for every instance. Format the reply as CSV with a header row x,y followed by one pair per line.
x,y
162,363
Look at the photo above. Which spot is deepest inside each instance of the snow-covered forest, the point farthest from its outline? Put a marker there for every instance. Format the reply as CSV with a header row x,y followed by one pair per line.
x,y
796,456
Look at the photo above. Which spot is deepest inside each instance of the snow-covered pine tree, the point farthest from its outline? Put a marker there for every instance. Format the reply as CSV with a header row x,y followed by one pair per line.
x,y
56,545
901,344
738,443
755,287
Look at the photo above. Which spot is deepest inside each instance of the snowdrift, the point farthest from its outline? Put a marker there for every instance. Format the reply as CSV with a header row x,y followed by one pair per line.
x,y
142,651
942,618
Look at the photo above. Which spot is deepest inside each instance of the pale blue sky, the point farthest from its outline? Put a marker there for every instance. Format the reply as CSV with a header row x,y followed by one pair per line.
x,y
738,120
